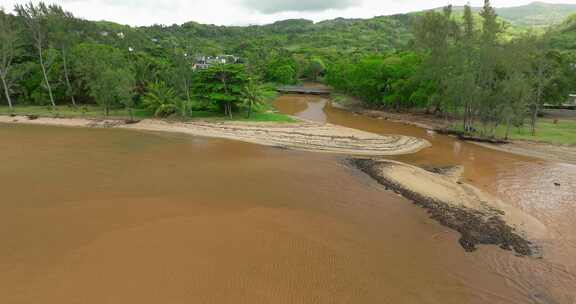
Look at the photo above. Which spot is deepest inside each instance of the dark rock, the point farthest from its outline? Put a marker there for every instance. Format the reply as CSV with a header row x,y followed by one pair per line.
x,y
475,227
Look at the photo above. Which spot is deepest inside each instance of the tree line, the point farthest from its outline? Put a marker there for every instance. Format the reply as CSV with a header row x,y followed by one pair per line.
x,y
50,58
466,68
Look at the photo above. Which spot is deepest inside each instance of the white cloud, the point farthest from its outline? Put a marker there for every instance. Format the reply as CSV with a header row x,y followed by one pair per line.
x,y
243,12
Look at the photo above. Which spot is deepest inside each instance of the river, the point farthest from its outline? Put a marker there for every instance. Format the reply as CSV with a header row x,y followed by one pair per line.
x,y
119,216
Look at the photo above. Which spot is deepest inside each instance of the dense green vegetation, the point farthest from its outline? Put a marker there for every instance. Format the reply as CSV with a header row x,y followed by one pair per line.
x,y
535,14
466,70
464,63
50,58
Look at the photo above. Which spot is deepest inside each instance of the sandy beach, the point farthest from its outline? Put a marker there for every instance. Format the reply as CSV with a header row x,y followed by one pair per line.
x,y
304,136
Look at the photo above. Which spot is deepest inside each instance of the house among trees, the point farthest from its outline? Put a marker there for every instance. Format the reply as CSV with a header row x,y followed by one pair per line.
x,y
204,62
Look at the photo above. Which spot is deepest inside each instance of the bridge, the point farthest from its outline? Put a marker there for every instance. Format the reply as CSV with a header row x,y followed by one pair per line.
x,y
303,90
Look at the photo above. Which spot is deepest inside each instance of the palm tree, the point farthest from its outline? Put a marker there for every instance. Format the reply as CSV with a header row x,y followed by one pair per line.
x,y
253,95
161,99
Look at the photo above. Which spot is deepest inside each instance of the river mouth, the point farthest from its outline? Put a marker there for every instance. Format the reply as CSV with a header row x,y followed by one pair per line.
x,y
543,189
118,216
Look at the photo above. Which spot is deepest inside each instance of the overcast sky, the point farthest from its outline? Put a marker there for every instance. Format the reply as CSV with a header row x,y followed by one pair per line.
x,y
244,12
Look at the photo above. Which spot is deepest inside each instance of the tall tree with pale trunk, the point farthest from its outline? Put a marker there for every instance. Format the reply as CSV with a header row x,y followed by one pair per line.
x,y
35,17
61,24
9,49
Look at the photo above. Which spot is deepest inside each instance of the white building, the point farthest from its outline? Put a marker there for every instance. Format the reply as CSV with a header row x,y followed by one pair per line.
x,y
204,62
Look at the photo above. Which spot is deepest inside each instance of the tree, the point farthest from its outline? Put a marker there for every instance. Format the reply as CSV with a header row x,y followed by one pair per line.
x,y
105,73
160,99
491,27
284,74
253,95
488,69
467,46
149,69
61,27
9,48
112,87
434,32
35,19
282,69
179,76
316,68
222,85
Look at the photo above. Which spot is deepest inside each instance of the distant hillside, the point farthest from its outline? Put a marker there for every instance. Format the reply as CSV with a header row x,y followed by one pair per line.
x,y
335,37
536,14
564,38
340,35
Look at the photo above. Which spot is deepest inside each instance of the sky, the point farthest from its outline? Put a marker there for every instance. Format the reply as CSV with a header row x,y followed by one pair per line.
x,y
246,12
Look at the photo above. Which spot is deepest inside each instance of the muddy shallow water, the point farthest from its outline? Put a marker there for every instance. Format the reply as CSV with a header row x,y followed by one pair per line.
x,y
118,216
527,183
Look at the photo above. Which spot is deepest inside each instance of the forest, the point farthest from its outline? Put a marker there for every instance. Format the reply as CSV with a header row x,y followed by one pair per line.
x,y
467,64
467,68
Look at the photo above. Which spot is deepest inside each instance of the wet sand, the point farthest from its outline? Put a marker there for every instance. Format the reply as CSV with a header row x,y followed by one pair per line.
x,y
306,136
479,217
555,153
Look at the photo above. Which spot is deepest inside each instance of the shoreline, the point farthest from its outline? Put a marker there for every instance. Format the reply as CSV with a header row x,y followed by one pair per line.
x,y
303,136
481,219
534,149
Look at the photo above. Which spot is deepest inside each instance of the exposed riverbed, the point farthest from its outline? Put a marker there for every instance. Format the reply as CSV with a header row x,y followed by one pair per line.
x,y
120,216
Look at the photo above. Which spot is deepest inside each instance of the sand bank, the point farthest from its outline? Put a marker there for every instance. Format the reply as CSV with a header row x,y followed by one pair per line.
x,y
305,136
479,217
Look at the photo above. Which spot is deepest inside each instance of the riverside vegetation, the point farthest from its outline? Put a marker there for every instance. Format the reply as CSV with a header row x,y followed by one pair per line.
x,y
466,68
464,63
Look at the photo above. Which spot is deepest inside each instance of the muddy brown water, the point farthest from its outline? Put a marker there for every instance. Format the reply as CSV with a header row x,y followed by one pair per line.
x,y
546,190
119,216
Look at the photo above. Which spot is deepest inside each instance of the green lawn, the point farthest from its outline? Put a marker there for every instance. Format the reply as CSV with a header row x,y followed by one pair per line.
x,y
255,117
96,112
564,132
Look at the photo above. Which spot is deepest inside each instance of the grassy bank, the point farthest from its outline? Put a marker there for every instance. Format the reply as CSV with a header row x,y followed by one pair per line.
x,y
97,113
562,133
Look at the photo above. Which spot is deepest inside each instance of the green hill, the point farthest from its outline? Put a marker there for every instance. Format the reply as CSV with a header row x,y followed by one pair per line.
x,y
346,35
564,37
383,33
535,14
